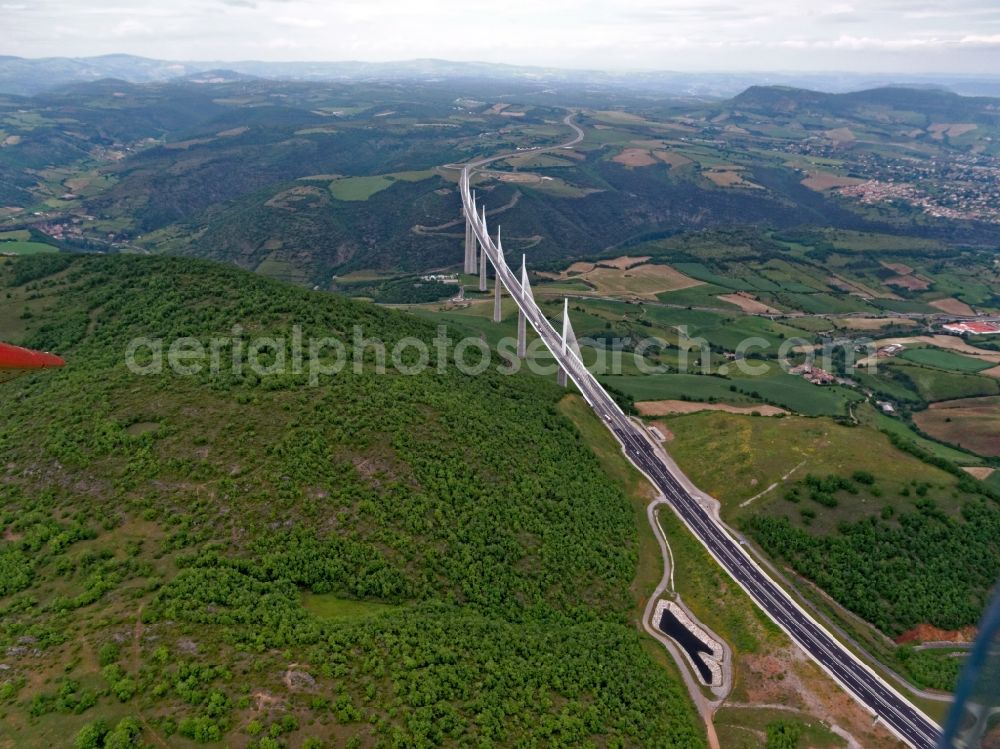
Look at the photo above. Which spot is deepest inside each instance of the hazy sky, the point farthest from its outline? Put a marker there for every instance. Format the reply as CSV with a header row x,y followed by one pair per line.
x,y
876,35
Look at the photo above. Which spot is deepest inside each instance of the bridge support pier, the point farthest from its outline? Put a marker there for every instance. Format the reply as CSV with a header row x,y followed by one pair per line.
x,y
498,290
471,262
482,256
469,248
482,267
522,321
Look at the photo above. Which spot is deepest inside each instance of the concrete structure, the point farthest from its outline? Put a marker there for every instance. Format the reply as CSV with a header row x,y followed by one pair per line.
x,y
471,258
497,283
713,660
569,343
522,321
482,253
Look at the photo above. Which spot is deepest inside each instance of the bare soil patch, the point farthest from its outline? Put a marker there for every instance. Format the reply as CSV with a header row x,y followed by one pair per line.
x,y
972,423
646,280
663,408
748,304
635,157
900,269
908,282
662,428
822,181
578,268
953,306
524,178
624,262
673,158
930,633
979,472
872,323
840,135
952,129
729,177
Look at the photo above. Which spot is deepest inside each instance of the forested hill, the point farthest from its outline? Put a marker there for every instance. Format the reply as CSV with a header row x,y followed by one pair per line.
x,y
889,100
383,560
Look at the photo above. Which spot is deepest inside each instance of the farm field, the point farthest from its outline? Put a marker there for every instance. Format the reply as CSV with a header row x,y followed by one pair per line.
x,y
21,247
939,385
362,188
626,278
748,454
947,360
782,390
971,423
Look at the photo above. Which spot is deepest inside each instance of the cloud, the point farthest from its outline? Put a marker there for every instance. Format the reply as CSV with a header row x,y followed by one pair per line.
x,y
281,42
130,27
299,23
978,39
651,34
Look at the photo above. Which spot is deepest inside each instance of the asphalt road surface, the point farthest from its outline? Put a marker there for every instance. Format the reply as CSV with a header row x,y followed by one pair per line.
x,y
898,714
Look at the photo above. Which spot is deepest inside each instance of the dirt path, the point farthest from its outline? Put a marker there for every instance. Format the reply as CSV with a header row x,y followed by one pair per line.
x,y
772,486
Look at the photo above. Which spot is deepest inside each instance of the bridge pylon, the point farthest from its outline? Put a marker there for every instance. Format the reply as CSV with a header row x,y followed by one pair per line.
x,y
497,285
482,256
522,321
569,343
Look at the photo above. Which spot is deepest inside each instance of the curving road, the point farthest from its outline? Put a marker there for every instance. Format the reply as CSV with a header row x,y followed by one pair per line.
x,y
898,714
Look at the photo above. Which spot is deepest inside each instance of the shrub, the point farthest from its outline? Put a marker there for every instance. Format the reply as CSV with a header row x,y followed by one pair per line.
x,y
91,736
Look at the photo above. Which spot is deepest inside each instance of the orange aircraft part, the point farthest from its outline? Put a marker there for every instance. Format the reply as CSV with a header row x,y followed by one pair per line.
x,y
15,357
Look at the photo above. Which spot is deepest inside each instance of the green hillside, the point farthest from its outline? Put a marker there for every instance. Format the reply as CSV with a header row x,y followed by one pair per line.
x,y
381,560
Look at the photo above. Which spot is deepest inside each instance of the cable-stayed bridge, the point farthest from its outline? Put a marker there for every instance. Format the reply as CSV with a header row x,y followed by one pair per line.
x,y
482,251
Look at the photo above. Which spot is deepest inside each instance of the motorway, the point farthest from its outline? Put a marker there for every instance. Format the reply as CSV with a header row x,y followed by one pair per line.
x,y
897,713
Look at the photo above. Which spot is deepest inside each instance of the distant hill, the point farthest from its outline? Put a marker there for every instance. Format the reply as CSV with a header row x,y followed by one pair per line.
x,y
28,76
413,560
929,101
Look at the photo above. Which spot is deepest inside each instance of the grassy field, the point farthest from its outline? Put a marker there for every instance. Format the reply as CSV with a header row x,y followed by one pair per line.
x,y
327,606
895,540
869,416
742,728
362,188
778,388
938,385
941,359
21,247
735,457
